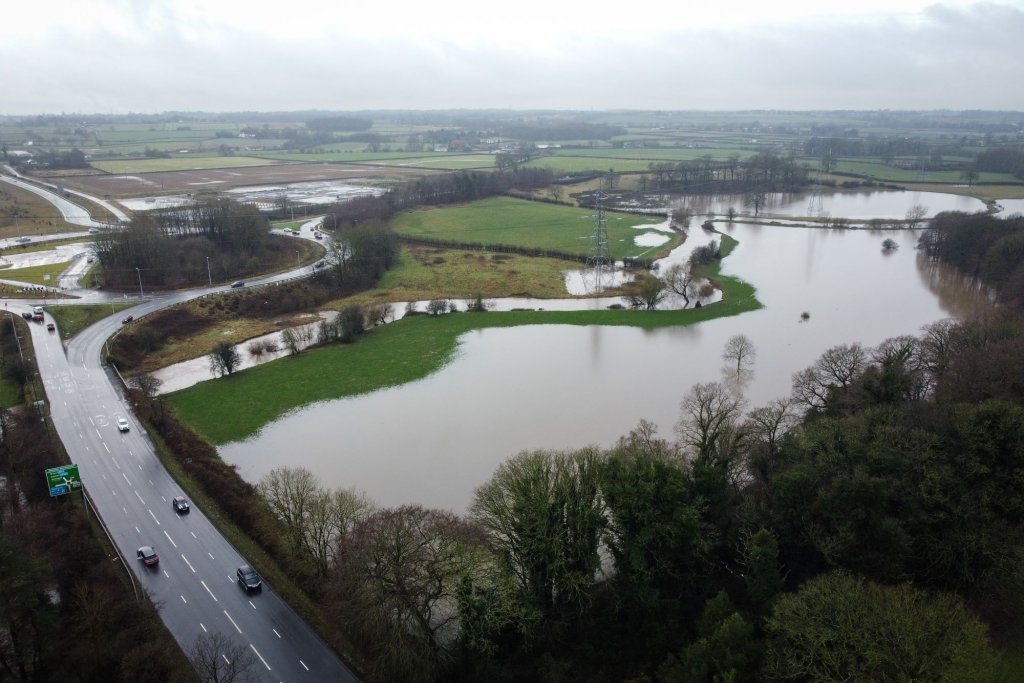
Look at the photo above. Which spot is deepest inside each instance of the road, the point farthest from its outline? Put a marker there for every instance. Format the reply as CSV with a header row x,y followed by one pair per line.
x,y
51,196
194,584
71,212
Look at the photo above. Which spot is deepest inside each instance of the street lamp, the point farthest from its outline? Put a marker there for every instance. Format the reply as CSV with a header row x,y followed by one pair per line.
x,y
208,271
139,272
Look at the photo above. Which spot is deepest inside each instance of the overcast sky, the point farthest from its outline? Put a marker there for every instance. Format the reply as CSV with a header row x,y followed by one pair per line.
x,y
118,56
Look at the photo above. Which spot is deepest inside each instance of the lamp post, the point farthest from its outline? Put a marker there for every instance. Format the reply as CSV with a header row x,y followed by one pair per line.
x,y
139,272
208,271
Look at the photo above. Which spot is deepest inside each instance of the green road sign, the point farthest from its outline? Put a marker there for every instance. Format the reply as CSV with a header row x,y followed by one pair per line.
x,y
63,480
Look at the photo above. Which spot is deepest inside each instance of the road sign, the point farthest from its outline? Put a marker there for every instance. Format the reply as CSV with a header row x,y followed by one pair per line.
x,y
62,480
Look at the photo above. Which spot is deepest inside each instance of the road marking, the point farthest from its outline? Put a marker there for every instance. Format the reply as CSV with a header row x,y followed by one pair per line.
x,y
167,575
210,592
151,482
91,422
98,433
253,606
303,665
137,530
106,447
275,632
126,478
171,540
188,563
140,468
260,656
211,557
115,460
232,621
182,597
139,497
226,659
130,452
124,509
153,516
194,535
163,499
103,476
203,627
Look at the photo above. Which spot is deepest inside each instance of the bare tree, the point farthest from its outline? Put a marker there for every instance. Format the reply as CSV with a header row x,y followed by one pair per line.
x,y
765,428
680,279
915,215
290,492
730,213
740,349
756,200
709,415
217,658
224,359
398,582
834,371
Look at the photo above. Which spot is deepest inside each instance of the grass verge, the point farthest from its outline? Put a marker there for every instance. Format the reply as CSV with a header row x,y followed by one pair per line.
x,y
72,319
37,275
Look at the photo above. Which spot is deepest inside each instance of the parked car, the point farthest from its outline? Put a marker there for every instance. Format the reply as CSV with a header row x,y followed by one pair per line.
x,y
122,425
51,327
125,321
238,283
180,504
249,579
148,556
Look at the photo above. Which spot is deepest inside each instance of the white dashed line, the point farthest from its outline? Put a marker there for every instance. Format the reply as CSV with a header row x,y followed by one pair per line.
x,y
183,599
275,632
232,621
126,480
153,516
139,497
166,574
203,627
106,447
260,656
212,595
188,563
253,606
226,659
170,539
303,665
137,530
116,464
194,535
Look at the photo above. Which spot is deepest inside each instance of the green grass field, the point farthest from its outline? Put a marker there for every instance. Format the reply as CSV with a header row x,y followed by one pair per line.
x,y
517,222
73,318
36,275
184,163
649,154
560,164
395,354
880,171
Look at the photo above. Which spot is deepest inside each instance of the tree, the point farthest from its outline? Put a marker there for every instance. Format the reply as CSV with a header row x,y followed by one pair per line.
x,y
889,244
543,511
709,418
224,359
829,377
761,570
398,585
725,650
646,292
970,174
680,279
740,349
756,200
915,215
217,658
730,213
842,627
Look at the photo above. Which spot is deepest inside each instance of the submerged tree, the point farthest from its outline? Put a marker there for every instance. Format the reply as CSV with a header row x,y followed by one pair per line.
x,y
224,359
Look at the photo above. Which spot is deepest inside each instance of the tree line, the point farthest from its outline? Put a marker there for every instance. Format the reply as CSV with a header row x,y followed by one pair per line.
x,y
763,171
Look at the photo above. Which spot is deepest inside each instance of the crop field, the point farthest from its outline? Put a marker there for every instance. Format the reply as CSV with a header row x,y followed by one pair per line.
x,y
183,163
657,153
880,171
452,162
582,164
522,223
345,155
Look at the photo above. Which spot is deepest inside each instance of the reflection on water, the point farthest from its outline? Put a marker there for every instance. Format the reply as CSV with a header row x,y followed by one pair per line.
x,y
552,386
852,204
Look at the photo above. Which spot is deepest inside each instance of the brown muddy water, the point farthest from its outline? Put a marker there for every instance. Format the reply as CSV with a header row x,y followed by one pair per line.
x,y
435,440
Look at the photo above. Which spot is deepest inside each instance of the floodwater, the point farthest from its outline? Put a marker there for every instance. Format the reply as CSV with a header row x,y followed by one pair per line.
x,y
312,193
435,440
1011,206
853,204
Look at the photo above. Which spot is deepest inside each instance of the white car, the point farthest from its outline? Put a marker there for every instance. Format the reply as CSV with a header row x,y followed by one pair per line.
x,y
122,425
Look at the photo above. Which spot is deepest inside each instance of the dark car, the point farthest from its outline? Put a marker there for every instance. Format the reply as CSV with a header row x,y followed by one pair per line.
x,y
27,315
148,556
237,283
249,579
180,504
51,327
125,321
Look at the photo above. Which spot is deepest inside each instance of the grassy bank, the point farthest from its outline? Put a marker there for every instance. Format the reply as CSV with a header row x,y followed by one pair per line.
x,y
394,354
72,319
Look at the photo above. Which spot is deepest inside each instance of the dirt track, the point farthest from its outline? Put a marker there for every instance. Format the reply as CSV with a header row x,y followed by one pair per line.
x,y
177,182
